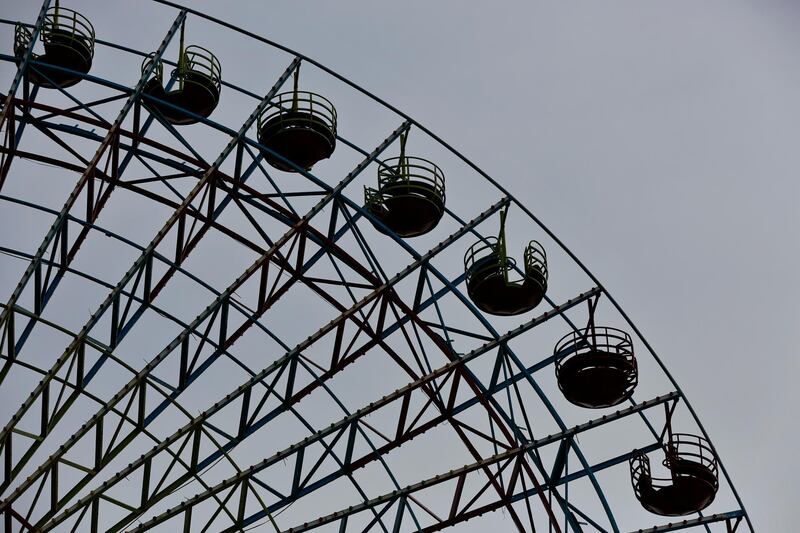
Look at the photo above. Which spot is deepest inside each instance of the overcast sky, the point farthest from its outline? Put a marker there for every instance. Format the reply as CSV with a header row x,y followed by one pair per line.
x,y
658,140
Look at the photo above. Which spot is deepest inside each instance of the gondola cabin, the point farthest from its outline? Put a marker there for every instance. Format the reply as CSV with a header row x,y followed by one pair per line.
x,y
192,91
298,130
410,198
693,481
68,40
488,270
595,367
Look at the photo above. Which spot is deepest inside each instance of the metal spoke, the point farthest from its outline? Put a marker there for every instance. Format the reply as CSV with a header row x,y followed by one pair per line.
x,y
373,311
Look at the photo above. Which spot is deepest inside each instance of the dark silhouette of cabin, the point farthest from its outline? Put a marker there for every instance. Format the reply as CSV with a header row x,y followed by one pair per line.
x,y
693,480
193,89
410,196
596,367
487,268
298,127
68,39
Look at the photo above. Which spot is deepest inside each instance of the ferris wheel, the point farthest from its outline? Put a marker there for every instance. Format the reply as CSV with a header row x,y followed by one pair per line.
x,y
282,304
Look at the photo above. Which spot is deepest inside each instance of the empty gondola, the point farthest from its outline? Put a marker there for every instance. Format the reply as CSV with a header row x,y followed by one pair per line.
x,y
298,129
693,480
410,198
488,268
595,366
68,40
193,89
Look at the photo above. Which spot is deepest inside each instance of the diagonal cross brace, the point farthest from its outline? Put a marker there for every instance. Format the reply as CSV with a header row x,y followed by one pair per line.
x,y
24,63
499,458
215,305
344,423
134,270
280,364
88,174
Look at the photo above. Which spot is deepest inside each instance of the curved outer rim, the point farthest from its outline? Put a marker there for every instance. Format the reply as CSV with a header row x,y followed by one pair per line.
x,y
516,202
490,180
455,291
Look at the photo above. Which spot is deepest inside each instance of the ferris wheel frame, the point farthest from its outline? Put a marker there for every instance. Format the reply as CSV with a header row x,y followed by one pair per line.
x,y
140,287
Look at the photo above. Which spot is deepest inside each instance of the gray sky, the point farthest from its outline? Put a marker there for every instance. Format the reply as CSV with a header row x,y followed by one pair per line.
x,y
656,139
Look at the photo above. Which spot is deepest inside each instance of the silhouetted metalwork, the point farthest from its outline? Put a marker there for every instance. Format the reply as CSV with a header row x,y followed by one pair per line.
x,y
693,480
161,449
489,269
410,196
198,77
595,367
68,39
298,130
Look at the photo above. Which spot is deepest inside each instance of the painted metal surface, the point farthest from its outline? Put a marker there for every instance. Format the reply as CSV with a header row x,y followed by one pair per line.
x,y
513,477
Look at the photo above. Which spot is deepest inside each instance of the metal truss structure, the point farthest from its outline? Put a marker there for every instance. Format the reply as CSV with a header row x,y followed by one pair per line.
x,y
258,355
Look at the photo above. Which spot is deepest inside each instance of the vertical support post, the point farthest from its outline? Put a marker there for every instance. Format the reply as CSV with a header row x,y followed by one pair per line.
x,y
501,244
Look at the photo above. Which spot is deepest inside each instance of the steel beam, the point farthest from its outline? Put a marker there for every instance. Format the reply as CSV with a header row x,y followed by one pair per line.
x,y
87,178
122,415
139,266
220,304
23,65
404,434
435,138
501,460
279,367
729,517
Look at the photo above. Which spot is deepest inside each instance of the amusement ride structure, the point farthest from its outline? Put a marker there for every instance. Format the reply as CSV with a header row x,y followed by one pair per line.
x,y
302,331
